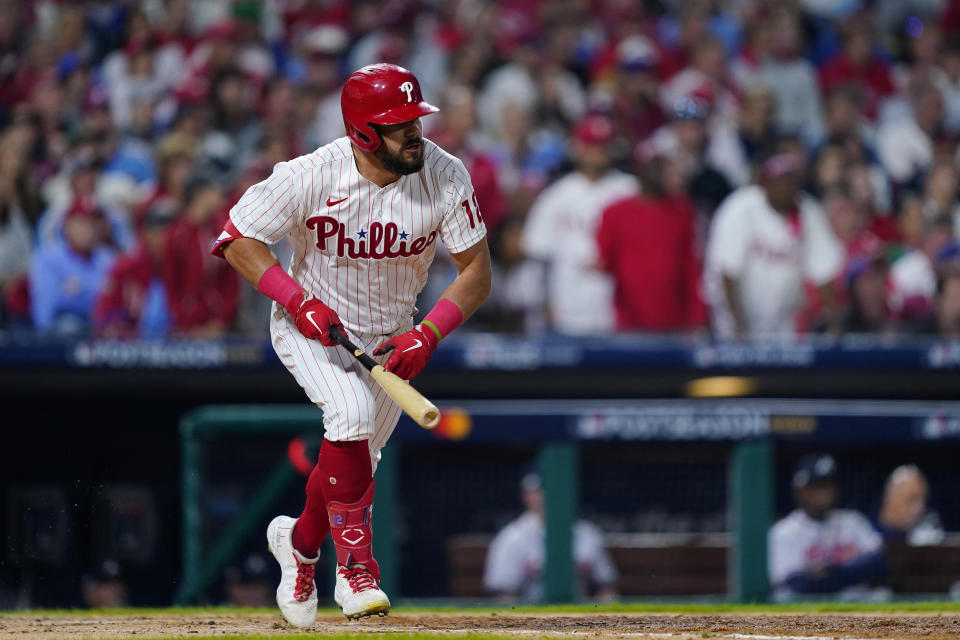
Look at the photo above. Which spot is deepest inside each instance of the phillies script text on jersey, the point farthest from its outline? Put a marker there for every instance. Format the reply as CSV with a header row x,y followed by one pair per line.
x,y
388,238
380,244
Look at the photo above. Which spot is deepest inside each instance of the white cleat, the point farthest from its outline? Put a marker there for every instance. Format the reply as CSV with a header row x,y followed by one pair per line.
x,y
357,593
297,592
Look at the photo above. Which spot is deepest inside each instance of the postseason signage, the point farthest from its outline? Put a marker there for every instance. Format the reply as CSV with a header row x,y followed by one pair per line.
x,y
493,352
800,421
658,352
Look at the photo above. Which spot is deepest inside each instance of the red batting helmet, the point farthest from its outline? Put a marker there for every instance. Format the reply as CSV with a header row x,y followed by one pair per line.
x,y
380,94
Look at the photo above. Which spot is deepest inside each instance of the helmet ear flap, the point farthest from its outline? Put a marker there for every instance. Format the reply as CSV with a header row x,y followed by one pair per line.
x,y
366,137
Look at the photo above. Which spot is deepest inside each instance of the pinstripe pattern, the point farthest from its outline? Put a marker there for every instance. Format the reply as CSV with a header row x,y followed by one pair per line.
x,y
371,295
354,406
374,297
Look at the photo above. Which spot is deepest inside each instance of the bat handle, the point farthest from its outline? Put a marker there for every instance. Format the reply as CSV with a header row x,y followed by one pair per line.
x,y
340,337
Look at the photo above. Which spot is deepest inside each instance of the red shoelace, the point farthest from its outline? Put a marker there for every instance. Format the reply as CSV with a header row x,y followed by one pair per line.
x,y
304,586
360,578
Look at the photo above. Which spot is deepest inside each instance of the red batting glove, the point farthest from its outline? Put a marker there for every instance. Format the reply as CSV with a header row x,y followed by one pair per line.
x,y
314,320
411,352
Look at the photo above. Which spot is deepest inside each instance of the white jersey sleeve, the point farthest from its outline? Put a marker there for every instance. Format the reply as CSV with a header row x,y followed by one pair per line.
x,y
729,241
462,225
504,568
822,252
591,554
784,552
268,210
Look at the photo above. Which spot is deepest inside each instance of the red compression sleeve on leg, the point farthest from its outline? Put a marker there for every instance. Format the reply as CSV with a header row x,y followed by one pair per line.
x,y
276,284
342,474
443,318
348,489
313,525
347,470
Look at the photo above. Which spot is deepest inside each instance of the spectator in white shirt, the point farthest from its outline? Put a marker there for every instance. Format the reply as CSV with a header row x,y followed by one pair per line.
x,y
561,228
514,565
764,242
913,277
906,144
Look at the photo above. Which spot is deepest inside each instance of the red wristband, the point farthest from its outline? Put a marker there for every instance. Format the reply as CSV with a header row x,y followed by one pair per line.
x,y
443,318
277,285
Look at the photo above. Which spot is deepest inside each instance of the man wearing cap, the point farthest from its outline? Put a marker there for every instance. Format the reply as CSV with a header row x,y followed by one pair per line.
x,y
819,549
514,564
691,135
561,232
766,240
364,215
134,300
635,105
68,273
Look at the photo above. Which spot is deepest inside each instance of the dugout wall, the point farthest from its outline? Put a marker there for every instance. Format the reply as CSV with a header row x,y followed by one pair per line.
x,y
739,451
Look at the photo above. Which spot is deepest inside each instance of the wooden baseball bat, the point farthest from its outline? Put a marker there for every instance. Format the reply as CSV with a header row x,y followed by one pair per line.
x,y
423,412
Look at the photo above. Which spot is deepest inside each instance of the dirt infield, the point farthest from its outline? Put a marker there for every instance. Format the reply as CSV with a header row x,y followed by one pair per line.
x,y
635,625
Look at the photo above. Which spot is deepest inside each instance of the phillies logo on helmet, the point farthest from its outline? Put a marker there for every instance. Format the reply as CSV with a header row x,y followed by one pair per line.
x,y
370,96
381,241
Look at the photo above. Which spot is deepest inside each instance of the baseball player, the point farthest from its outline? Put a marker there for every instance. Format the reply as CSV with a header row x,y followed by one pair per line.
x,y
363,215
821,549
515,559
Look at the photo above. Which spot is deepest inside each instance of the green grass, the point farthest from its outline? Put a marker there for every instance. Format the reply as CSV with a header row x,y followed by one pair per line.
x,y
905,606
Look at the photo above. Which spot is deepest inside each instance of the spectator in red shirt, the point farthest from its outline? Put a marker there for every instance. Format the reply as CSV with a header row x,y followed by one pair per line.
x,y
134,301
203,293
648,244
857,64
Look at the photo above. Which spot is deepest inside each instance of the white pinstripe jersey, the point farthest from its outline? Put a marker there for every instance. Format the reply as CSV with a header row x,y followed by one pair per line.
x,y
360,249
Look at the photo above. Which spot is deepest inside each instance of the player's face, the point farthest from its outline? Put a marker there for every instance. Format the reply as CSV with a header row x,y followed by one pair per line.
x,y
402,150
817,498
533,500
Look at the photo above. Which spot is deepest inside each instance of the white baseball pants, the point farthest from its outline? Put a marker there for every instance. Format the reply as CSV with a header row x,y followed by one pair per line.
x,y
354,406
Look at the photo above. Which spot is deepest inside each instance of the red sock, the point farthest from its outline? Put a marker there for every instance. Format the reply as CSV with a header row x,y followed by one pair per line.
x,y
342,474
312,525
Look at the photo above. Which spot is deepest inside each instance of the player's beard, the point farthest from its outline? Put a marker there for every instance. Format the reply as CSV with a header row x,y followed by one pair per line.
x,y
395,163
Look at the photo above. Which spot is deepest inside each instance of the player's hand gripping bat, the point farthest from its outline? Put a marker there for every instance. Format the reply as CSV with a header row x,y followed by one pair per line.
x,y
423,412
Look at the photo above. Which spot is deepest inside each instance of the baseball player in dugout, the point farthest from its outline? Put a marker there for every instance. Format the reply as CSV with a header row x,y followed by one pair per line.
x,y
363,214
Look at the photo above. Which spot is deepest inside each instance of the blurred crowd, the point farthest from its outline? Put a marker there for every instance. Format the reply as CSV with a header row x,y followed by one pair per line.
x,y
745,168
